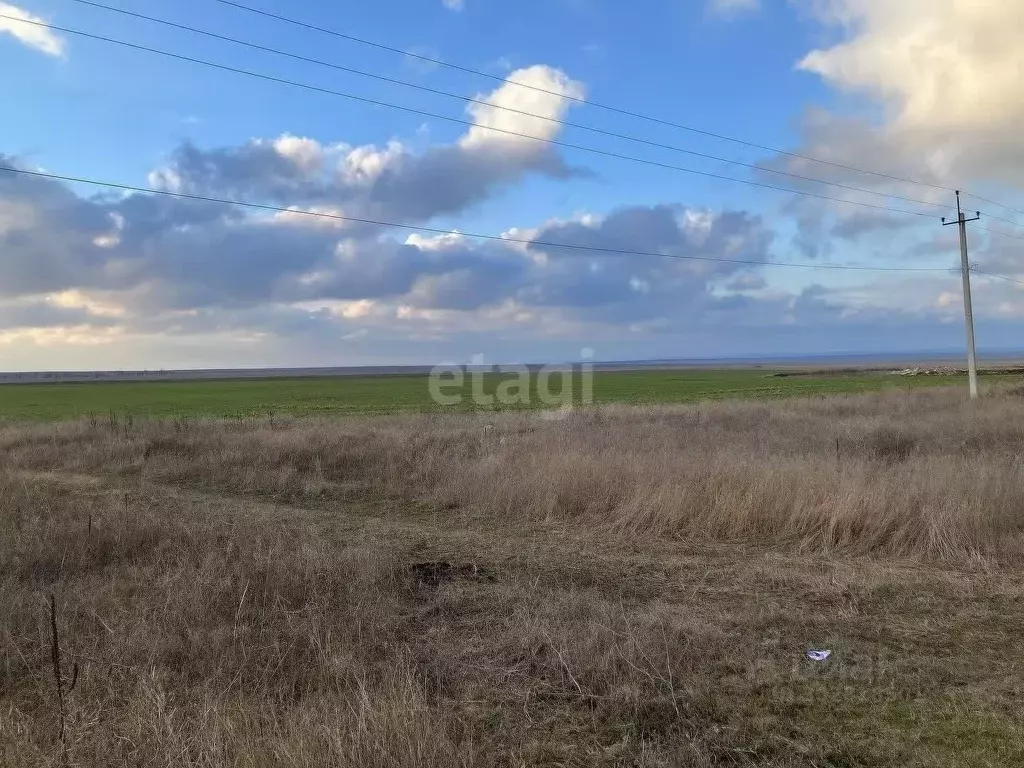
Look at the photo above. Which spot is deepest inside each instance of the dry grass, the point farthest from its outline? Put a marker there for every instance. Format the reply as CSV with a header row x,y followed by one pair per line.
x,y
623,587
923,474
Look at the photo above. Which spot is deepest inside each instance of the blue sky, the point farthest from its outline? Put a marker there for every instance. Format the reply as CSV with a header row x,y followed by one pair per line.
x,y
852,81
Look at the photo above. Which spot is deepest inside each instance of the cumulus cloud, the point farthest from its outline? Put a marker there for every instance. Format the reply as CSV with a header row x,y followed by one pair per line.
x,y
549,95
697,247
143,261
562,291
936,64
38,38
391,182
924,91
162,253
141,265
946,77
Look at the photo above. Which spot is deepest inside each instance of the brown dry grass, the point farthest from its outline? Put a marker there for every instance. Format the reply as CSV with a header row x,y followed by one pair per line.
x,y
628,587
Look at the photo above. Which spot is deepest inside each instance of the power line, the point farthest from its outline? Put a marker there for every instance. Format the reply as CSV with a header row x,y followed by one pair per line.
x,y
460,121
1000,277
1000,232
483,102
438,231
597,105
1000,218
999,205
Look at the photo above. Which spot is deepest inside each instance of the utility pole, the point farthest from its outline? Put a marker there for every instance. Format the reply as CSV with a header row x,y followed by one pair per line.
x,y
965,265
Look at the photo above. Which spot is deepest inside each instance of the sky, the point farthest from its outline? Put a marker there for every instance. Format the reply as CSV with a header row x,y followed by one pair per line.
x,y
704,224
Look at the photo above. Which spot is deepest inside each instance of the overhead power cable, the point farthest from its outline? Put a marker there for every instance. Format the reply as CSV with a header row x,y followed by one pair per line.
x,y
502,107
598,105
1018,211
471,235
460,121
1001,233
1004,220
999,277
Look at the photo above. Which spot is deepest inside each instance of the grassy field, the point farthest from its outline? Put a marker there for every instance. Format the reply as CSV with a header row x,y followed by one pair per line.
x,y
387,394
625,586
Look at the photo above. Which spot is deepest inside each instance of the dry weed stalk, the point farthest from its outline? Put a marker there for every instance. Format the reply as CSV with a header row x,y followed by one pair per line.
x,y
61,688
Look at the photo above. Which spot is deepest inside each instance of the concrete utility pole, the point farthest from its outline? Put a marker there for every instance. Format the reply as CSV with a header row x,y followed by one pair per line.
x,y
965,264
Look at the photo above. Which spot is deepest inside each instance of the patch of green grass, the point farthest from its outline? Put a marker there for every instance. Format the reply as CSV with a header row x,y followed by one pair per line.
x,y
393,393
854,724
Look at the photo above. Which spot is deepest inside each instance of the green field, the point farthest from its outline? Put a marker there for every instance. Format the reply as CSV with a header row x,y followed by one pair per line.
x,y
391,393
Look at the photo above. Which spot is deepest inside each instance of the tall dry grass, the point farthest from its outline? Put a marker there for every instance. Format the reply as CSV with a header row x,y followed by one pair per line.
x,y
203,642
910,474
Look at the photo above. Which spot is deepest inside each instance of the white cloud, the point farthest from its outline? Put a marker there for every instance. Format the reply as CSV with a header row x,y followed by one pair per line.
x,y
364,165
454,5
39,38
391,182
140,257
326,216
550,96
937,64
434,242
946,74
307,154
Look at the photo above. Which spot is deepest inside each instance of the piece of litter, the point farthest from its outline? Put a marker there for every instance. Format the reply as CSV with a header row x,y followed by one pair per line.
x,y
818,655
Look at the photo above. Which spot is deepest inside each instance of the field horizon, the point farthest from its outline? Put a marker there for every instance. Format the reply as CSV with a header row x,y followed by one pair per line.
x,y
993,358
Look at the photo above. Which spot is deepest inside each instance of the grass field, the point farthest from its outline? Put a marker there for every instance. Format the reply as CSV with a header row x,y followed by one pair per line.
x,y
387,394
625,586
